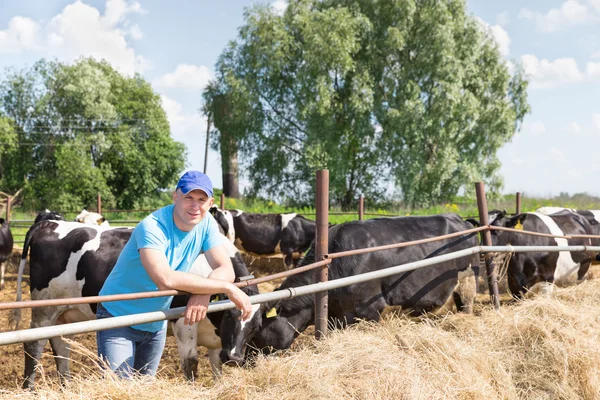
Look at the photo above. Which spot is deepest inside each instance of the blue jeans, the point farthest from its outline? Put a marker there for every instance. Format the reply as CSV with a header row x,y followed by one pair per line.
x,y
127,350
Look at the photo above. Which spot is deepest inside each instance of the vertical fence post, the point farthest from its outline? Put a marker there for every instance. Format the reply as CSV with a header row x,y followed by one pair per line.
x,y
222,205
322,248
99,204
8,201
361,208
518,209
487,241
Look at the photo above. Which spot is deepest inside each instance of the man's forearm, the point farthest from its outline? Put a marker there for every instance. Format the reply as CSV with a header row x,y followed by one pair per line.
x,y
187,282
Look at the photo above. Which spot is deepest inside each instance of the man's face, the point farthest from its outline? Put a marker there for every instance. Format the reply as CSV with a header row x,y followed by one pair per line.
x,y
190,208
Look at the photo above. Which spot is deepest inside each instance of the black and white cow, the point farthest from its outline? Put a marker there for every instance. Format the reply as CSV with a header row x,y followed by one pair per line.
x,y
206,332
48,215
537,271
6,248
70,260
66,259
225,221
267,234
276,324
592,216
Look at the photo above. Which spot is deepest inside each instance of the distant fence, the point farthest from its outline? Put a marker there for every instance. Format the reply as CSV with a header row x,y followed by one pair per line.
x,y
360,212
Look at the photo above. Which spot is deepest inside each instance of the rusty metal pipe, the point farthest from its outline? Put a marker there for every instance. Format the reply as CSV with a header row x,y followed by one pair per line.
x,y
405,244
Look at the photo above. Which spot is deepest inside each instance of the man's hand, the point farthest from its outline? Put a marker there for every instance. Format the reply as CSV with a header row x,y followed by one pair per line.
x,y
196,308
241,301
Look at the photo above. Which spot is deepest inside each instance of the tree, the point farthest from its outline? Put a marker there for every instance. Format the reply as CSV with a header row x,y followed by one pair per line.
x,y
412,93
217,108
84,129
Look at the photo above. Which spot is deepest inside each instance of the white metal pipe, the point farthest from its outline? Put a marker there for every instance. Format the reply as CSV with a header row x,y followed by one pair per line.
x,y
116,322
523,249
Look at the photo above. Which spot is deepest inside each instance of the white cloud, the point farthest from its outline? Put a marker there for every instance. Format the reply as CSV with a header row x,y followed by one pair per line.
x,y
180,122
135,32
22,34
573,128
80,30
535,127
570,13
596,121
279,6
556,155
549,74
592,70
500,36
503,18
186,76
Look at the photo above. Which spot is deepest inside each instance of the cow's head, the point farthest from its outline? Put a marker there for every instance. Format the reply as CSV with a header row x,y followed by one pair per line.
x,y
91,218
225,221
48,215
265,331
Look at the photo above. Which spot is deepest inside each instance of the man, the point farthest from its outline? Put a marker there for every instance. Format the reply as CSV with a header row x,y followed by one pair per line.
x,y
158,255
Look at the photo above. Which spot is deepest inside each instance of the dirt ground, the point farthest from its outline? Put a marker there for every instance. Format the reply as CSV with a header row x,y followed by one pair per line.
x,y
12,359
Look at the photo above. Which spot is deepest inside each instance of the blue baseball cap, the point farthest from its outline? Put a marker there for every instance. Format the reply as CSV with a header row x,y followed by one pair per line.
x,y
193,180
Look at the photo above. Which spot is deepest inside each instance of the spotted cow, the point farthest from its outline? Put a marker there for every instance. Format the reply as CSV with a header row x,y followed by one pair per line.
x,y
268,234
537,271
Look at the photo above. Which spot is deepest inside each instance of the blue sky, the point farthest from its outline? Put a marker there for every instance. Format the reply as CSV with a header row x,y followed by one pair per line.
x,y
175,45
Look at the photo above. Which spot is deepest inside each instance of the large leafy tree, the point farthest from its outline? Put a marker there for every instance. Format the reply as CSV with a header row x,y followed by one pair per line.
x,y
84,129
410,93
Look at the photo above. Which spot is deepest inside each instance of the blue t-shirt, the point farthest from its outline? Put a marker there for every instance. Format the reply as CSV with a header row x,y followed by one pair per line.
x,y
156,231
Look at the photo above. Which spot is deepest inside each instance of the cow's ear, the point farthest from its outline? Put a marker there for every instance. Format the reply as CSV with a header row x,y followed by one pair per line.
x,y
517,220
100,220
495,216
271,310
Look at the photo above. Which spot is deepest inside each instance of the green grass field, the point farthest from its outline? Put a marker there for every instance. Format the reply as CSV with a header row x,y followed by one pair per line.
x,y
21,220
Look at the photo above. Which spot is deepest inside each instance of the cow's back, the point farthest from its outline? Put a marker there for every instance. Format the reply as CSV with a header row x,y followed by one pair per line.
x,y
257,233
421,289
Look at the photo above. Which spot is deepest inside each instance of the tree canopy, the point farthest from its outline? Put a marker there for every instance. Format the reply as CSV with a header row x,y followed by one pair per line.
x,y
71,131
412,94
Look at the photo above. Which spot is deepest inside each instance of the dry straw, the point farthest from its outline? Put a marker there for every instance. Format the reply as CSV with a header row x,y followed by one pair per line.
x,y
544,348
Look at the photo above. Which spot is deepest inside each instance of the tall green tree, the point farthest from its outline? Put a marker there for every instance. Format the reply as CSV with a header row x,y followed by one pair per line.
x,y
410,93
83,129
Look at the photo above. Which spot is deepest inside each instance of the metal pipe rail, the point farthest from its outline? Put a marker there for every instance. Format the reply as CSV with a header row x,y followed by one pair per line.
x,y
404,244
145,295
501,228
27,335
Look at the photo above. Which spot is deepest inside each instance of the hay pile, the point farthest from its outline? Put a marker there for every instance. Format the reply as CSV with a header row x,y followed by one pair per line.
x,y
545,348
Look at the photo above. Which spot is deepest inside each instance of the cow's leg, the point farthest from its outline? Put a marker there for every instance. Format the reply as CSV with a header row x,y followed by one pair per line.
x,y
40,317
583,269
33,353
215,362
2,270
289,261
187,339
61,351
465,291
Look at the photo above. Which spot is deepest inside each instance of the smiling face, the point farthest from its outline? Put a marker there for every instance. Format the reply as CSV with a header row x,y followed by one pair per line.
x,y
190,208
